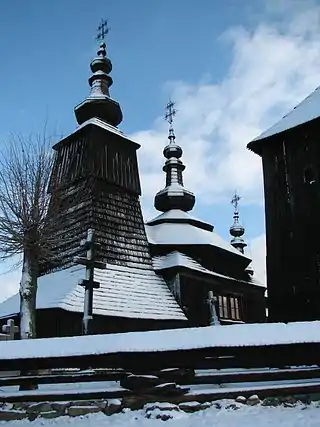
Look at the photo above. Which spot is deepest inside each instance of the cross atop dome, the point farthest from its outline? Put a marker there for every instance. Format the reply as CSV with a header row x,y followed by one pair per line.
x,y
235,201
170,114
99,104
102,31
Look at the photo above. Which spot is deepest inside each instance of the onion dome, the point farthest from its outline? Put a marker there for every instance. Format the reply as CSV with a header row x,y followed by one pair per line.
x,y
174,195
99,104
237,230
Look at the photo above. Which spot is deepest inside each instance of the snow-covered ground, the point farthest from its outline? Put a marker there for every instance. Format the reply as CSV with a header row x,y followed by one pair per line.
x,y
248,416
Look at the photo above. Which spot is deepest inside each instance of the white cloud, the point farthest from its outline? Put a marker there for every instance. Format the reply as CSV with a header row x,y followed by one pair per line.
x,y
273,67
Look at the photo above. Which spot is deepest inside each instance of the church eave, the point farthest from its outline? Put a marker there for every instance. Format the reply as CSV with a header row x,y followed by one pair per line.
x,y
99,107
179,262
306,112
96,122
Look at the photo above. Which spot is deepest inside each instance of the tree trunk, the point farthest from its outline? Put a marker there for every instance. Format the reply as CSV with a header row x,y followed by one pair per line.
x,y
28,290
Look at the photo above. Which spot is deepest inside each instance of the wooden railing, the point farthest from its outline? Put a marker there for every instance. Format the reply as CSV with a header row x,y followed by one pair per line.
x,y
173,375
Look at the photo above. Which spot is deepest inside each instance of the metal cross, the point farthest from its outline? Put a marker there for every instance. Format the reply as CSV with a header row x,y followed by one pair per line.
x,y
102,30
170,113
235,201
89,283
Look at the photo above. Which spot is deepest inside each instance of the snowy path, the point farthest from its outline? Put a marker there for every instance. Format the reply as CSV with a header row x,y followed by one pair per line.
x,y
299,416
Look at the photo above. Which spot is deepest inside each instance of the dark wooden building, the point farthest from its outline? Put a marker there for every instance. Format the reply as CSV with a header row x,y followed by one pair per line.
x,y
290,153
156,275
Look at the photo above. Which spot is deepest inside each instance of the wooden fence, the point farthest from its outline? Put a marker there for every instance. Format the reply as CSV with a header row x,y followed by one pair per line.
x,y
201,374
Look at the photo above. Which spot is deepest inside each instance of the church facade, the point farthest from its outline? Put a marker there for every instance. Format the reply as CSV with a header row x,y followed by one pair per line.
x,y
174,271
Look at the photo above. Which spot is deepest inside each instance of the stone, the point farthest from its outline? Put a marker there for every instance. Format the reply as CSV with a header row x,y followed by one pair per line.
x,y
50,414
161,406
39,407
21,405
194,406
271,401
241,399
134,402
75,411
60,406
8,406
253,400
232,406
289,405
83,403
102,404
164,417
113,406
32,416
306,399
7,415
289,400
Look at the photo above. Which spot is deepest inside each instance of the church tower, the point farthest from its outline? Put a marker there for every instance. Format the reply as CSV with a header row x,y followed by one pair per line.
x,y
290,153
96,181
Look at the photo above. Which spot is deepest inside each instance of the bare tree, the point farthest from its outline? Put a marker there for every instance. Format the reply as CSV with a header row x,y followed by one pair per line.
x,y
25,170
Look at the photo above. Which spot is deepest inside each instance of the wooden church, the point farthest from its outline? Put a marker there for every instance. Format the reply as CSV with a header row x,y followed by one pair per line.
x,y
290,154
172,272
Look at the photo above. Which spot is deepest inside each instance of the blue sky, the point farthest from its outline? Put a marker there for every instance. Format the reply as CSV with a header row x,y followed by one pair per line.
x,y
46,48
234,67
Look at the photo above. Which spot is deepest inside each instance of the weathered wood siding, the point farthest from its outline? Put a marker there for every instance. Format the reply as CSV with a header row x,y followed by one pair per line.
x,y
96,182
291,166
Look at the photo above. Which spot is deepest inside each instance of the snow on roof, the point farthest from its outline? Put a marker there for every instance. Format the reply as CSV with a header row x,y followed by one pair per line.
x,y
177,215
102,124
244,335
186,234
124,292
179,259
307,110
52,289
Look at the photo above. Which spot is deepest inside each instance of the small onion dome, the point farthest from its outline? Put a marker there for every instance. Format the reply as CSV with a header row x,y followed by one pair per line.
x,y
172,150
174,195
237,230
98,103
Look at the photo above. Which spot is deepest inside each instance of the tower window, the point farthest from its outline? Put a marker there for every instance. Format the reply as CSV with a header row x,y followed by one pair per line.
x,y
309,176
